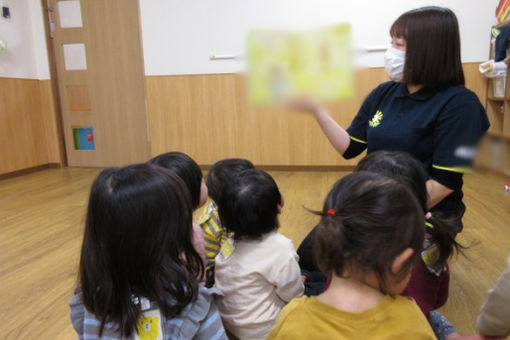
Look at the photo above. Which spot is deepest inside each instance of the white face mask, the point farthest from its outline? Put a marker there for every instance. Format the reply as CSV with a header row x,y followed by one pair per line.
x,y
394,61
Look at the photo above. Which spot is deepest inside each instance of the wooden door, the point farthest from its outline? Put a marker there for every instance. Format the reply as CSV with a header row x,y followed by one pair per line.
x,y
100,75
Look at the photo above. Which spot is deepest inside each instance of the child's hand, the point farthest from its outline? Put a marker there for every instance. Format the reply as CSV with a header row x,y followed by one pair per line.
x,y
303,278
456,336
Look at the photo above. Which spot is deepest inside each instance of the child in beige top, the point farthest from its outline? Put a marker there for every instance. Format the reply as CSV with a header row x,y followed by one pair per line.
x,y
494,317
257,270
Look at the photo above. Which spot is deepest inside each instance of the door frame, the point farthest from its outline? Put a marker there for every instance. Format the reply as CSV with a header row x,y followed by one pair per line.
x,y
47,13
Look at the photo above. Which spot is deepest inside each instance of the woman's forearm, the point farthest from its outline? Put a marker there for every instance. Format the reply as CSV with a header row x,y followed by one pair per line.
x,y
437,192
336,134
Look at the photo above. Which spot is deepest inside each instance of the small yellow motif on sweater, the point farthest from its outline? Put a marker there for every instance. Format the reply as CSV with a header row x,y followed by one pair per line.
x,y
149,327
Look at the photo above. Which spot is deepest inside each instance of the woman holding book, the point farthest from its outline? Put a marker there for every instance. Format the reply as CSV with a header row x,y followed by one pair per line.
x,y
425,109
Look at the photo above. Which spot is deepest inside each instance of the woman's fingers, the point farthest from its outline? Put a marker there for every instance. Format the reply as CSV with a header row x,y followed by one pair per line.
x,y
303,103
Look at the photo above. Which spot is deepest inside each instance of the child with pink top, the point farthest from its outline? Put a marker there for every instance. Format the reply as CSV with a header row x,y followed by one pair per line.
x,y
189,172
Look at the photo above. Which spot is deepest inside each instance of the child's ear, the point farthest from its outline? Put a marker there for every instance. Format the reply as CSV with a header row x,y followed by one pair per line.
x,y
400,261
203,194
280,206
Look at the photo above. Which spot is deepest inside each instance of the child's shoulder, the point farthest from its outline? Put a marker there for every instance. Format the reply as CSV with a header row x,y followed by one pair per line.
x,y
291,319
408,318
199,308
402,306
200,316
295,306
281,246
275,244
209,212
276,237
405,304
77,311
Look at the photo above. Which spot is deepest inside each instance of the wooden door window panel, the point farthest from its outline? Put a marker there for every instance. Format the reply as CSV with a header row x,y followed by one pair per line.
x,y
75,58
70,14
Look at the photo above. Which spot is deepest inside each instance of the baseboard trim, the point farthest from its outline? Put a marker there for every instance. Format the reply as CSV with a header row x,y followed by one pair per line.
x,y
26,171
297,167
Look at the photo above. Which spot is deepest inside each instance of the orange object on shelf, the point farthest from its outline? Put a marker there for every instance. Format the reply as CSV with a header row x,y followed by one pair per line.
x,y
502,10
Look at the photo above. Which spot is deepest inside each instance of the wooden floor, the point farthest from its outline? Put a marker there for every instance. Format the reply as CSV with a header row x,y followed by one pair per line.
x,y
42,215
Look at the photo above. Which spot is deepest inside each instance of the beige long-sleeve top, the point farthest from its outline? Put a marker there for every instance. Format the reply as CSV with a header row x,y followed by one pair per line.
x,y
257,278
494,317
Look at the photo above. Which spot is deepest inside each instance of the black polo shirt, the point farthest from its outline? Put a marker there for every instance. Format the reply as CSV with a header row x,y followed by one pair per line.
x,y
440,127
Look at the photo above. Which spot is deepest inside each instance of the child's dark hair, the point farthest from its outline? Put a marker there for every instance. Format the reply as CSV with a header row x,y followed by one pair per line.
x,y
137,242
186,168
249,205
401,166
367,221
222,173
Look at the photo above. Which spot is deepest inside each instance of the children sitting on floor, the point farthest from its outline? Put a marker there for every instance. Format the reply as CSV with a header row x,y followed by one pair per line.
x,y
220,175
257,268
429,284
370,234
188,170
138,273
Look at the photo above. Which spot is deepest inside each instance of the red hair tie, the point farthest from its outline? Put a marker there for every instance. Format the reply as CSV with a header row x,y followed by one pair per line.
x,y
332,212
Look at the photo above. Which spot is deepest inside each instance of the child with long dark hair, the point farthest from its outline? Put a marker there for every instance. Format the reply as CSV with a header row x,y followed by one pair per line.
x,y
138,274
369,236
430,278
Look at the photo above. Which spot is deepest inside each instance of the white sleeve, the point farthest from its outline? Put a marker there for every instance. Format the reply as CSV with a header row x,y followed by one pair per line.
x,y
286,274
494,317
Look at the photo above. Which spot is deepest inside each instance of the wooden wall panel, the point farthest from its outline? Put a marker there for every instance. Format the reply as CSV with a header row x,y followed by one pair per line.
x,y
16,136
23,132
207,117
475,81
51,125
28,128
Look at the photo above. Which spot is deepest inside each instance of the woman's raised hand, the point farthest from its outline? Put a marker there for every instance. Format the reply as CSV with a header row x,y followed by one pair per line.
x,y
304,104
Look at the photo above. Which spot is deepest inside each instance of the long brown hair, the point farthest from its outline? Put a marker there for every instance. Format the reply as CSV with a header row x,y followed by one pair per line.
x,y
433,47
137,243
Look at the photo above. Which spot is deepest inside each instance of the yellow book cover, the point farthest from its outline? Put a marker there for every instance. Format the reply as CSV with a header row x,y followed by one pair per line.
x,y
283,64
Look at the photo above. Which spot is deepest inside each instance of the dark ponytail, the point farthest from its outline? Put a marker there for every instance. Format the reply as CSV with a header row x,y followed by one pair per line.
x,y
331,255
367,221
443,233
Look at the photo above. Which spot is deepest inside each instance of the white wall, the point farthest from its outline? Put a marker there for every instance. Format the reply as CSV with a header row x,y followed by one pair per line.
x,y
180,35
26,55
39,36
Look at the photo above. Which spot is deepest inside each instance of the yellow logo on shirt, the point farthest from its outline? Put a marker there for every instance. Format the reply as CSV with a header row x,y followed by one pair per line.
x,y
376,119
149,326
227,249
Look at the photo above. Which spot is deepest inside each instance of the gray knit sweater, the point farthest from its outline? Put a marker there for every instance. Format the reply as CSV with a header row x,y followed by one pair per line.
x,y
198,320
